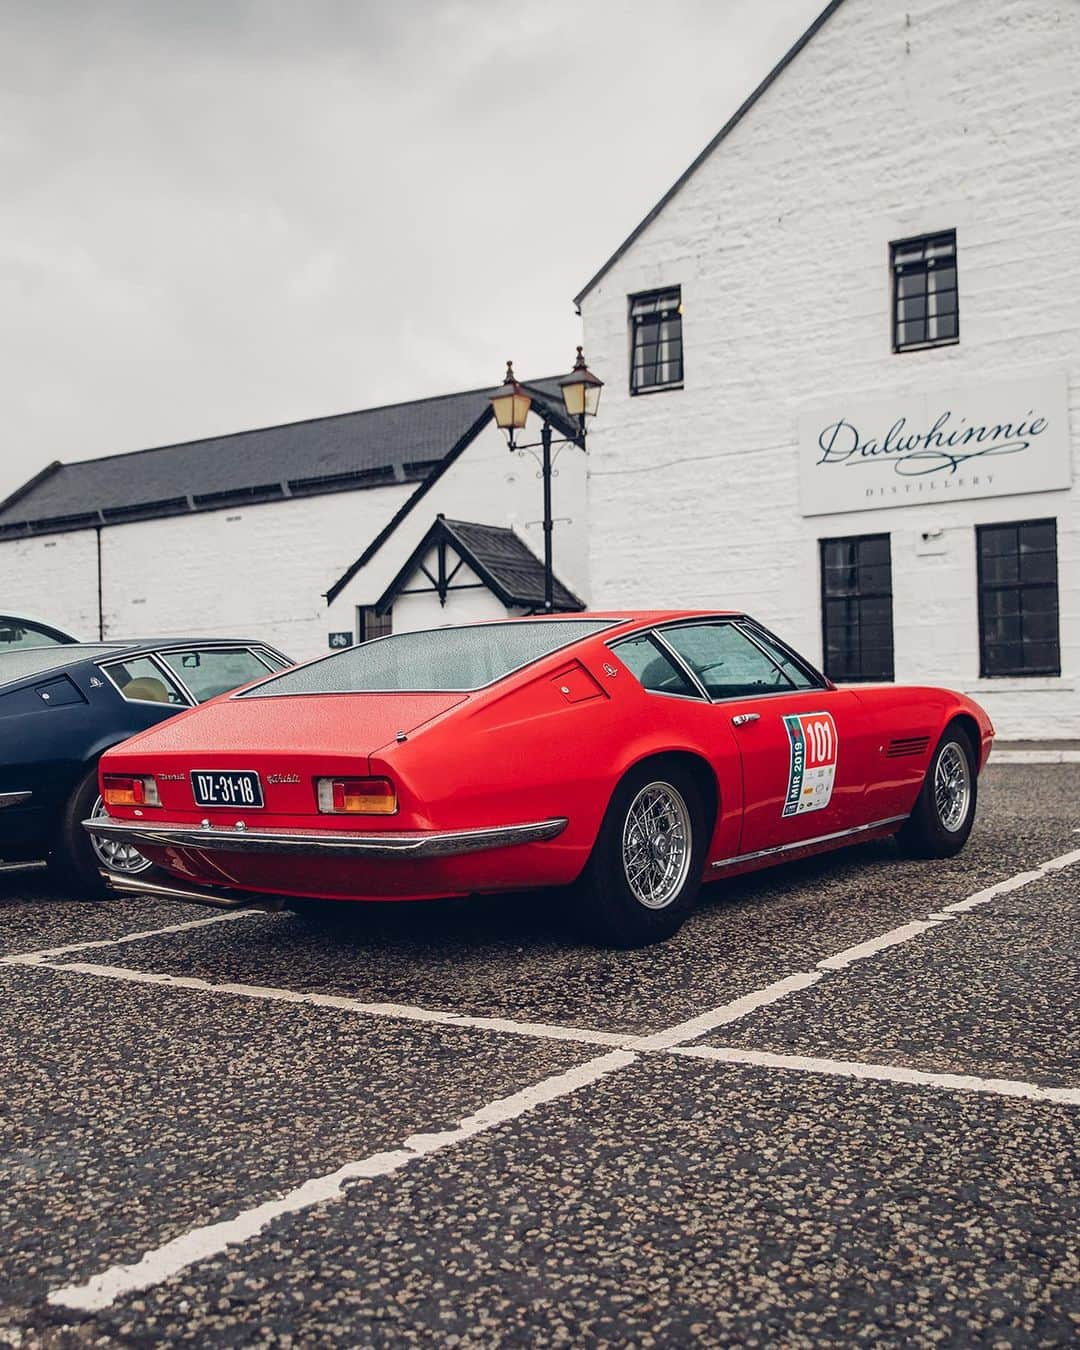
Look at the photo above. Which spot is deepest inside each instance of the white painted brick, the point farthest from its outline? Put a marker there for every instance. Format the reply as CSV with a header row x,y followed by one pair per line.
x,y
895,120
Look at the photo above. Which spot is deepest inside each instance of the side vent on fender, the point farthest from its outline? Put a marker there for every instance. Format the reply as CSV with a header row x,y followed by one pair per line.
x,y
907,745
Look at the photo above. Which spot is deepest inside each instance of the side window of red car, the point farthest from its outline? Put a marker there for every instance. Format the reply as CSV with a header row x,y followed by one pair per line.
x,y
726,662
653,668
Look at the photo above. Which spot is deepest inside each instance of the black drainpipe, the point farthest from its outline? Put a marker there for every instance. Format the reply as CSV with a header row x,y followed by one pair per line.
x,y
100,602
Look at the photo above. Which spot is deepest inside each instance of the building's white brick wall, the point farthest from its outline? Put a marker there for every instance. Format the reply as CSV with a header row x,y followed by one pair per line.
x,y
894,121
55,578
262,571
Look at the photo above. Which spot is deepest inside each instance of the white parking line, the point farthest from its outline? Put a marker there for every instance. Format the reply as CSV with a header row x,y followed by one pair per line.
x,y
984,897
405,1012
199,1244
32,958
887,1073
883,942
211,1239
727,1012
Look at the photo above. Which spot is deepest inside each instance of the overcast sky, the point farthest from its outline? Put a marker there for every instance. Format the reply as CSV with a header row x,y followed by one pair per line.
x,y
219,214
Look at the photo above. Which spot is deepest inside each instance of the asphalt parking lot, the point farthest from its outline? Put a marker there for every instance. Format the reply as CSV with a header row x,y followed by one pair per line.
x,y
841,1106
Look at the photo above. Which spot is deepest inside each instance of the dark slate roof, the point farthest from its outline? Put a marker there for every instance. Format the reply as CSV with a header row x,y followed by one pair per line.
x,y
401,442
729,126
503,562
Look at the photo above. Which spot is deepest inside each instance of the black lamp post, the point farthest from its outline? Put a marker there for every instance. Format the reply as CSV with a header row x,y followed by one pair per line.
x,y
510,404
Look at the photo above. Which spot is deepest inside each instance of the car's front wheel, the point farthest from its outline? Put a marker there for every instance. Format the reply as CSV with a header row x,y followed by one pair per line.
x,y
945,810
644,873
77,859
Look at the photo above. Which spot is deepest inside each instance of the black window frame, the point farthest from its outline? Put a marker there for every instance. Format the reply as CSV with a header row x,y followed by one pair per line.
x,y
1020,586
885,672
637,324
904,270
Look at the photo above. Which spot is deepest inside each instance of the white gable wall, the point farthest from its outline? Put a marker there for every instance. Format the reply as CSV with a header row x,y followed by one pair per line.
x,y
423,610
489,485
894,121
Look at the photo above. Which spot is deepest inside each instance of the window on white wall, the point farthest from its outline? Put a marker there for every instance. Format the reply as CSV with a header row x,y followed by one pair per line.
x,y
656,343
856,607
1018,598
925,309
370,625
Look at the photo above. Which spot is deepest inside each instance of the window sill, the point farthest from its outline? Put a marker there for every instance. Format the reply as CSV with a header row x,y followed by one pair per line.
x,y
925,346
654,389
1022,684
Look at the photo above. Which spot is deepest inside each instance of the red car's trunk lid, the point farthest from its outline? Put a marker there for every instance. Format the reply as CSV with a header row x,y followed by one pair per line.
x,y
304,725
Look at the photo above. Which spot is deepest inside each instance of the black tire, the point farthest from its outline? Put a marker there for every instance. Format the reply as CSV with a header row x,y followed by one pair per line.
x,y
74,867
611,908
934,830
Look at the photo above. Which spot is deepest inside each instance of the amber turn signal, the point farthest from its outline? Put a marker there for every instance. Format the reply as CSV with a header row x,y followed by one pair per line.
x,y
125,791
357,796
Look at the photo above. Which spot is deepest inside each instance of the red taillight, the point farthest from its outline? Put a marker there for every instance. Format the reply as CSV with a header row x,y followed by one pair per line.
x,y
118,790
357,796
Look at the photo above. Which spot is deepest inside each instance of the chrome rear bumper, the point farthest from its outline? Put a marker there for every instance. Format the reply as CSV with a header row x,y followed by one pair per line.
x,y
400,844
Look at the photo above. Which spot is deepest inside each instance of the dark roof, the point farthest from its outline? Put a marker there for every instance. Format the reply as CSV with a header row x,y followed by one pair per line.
x,y
547,396
503,562
724,131
401,442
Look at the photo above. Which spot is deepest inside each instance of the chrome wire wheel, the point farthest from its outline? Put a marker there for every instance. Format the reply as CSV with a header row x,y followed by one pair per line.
x,y
656,845
113,854
952,787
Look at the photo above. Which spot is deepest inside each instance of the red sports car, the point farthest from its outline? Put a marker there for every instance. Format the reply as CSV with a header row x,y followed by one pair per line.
x,y
634,756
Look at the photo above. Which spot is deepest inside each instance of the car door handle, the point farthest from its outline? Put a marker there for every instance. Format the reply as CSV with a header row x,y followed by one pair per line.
x,y
741,719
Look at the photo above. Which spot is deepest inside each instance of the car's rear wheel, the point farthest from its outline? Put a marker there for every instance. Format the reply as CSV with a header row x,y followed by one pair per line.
x,y
944,813
644,873
77,858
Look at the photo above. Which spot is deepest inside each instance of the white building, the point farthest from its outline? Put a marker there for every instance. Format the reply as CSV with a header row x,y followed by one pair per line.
x,y
842,358
301,534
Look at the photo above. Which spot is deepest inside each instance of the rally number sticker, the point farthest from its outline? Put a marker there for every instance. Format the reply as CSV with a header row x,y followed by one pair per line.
x,y
813,762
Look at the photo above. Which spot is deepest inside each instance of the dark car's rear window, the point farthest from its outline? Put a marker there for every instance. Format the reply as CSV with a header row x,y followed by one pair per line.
x,y
439,659
16,665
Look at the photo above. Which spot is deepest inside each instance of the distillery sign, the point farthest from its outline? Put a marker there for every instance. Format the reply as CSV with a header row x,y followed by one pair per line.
x,y
988,441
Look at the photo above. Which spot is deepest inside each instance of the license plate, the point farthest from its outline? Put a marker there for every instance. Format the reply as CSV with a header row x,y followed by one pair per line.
x,y
217,787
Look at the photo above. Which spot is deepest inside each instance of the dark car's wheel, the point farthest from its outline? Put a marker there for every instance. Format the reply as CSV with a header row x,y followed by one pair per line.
x,y
77,859
945,810
644,872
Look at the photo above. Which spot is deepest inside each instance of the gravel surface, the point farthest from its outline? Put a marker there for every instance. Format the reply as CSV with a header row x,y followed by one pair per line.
x,y
992,993
675,1202
678,1204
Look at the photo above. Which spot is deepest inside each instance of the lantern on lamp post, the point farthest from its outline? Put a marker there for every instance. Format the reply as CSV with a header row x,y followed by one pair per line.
x,y
511,403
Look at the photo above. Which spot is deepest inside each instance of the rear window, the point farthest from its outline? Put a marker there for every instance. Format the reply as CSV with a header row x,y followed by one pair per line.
x,y
22,633
23,661
438,660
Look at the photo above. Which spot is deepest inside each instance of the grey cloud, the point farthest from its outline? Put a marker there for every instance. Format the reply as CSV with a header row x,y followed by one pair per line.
x,y
225,215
